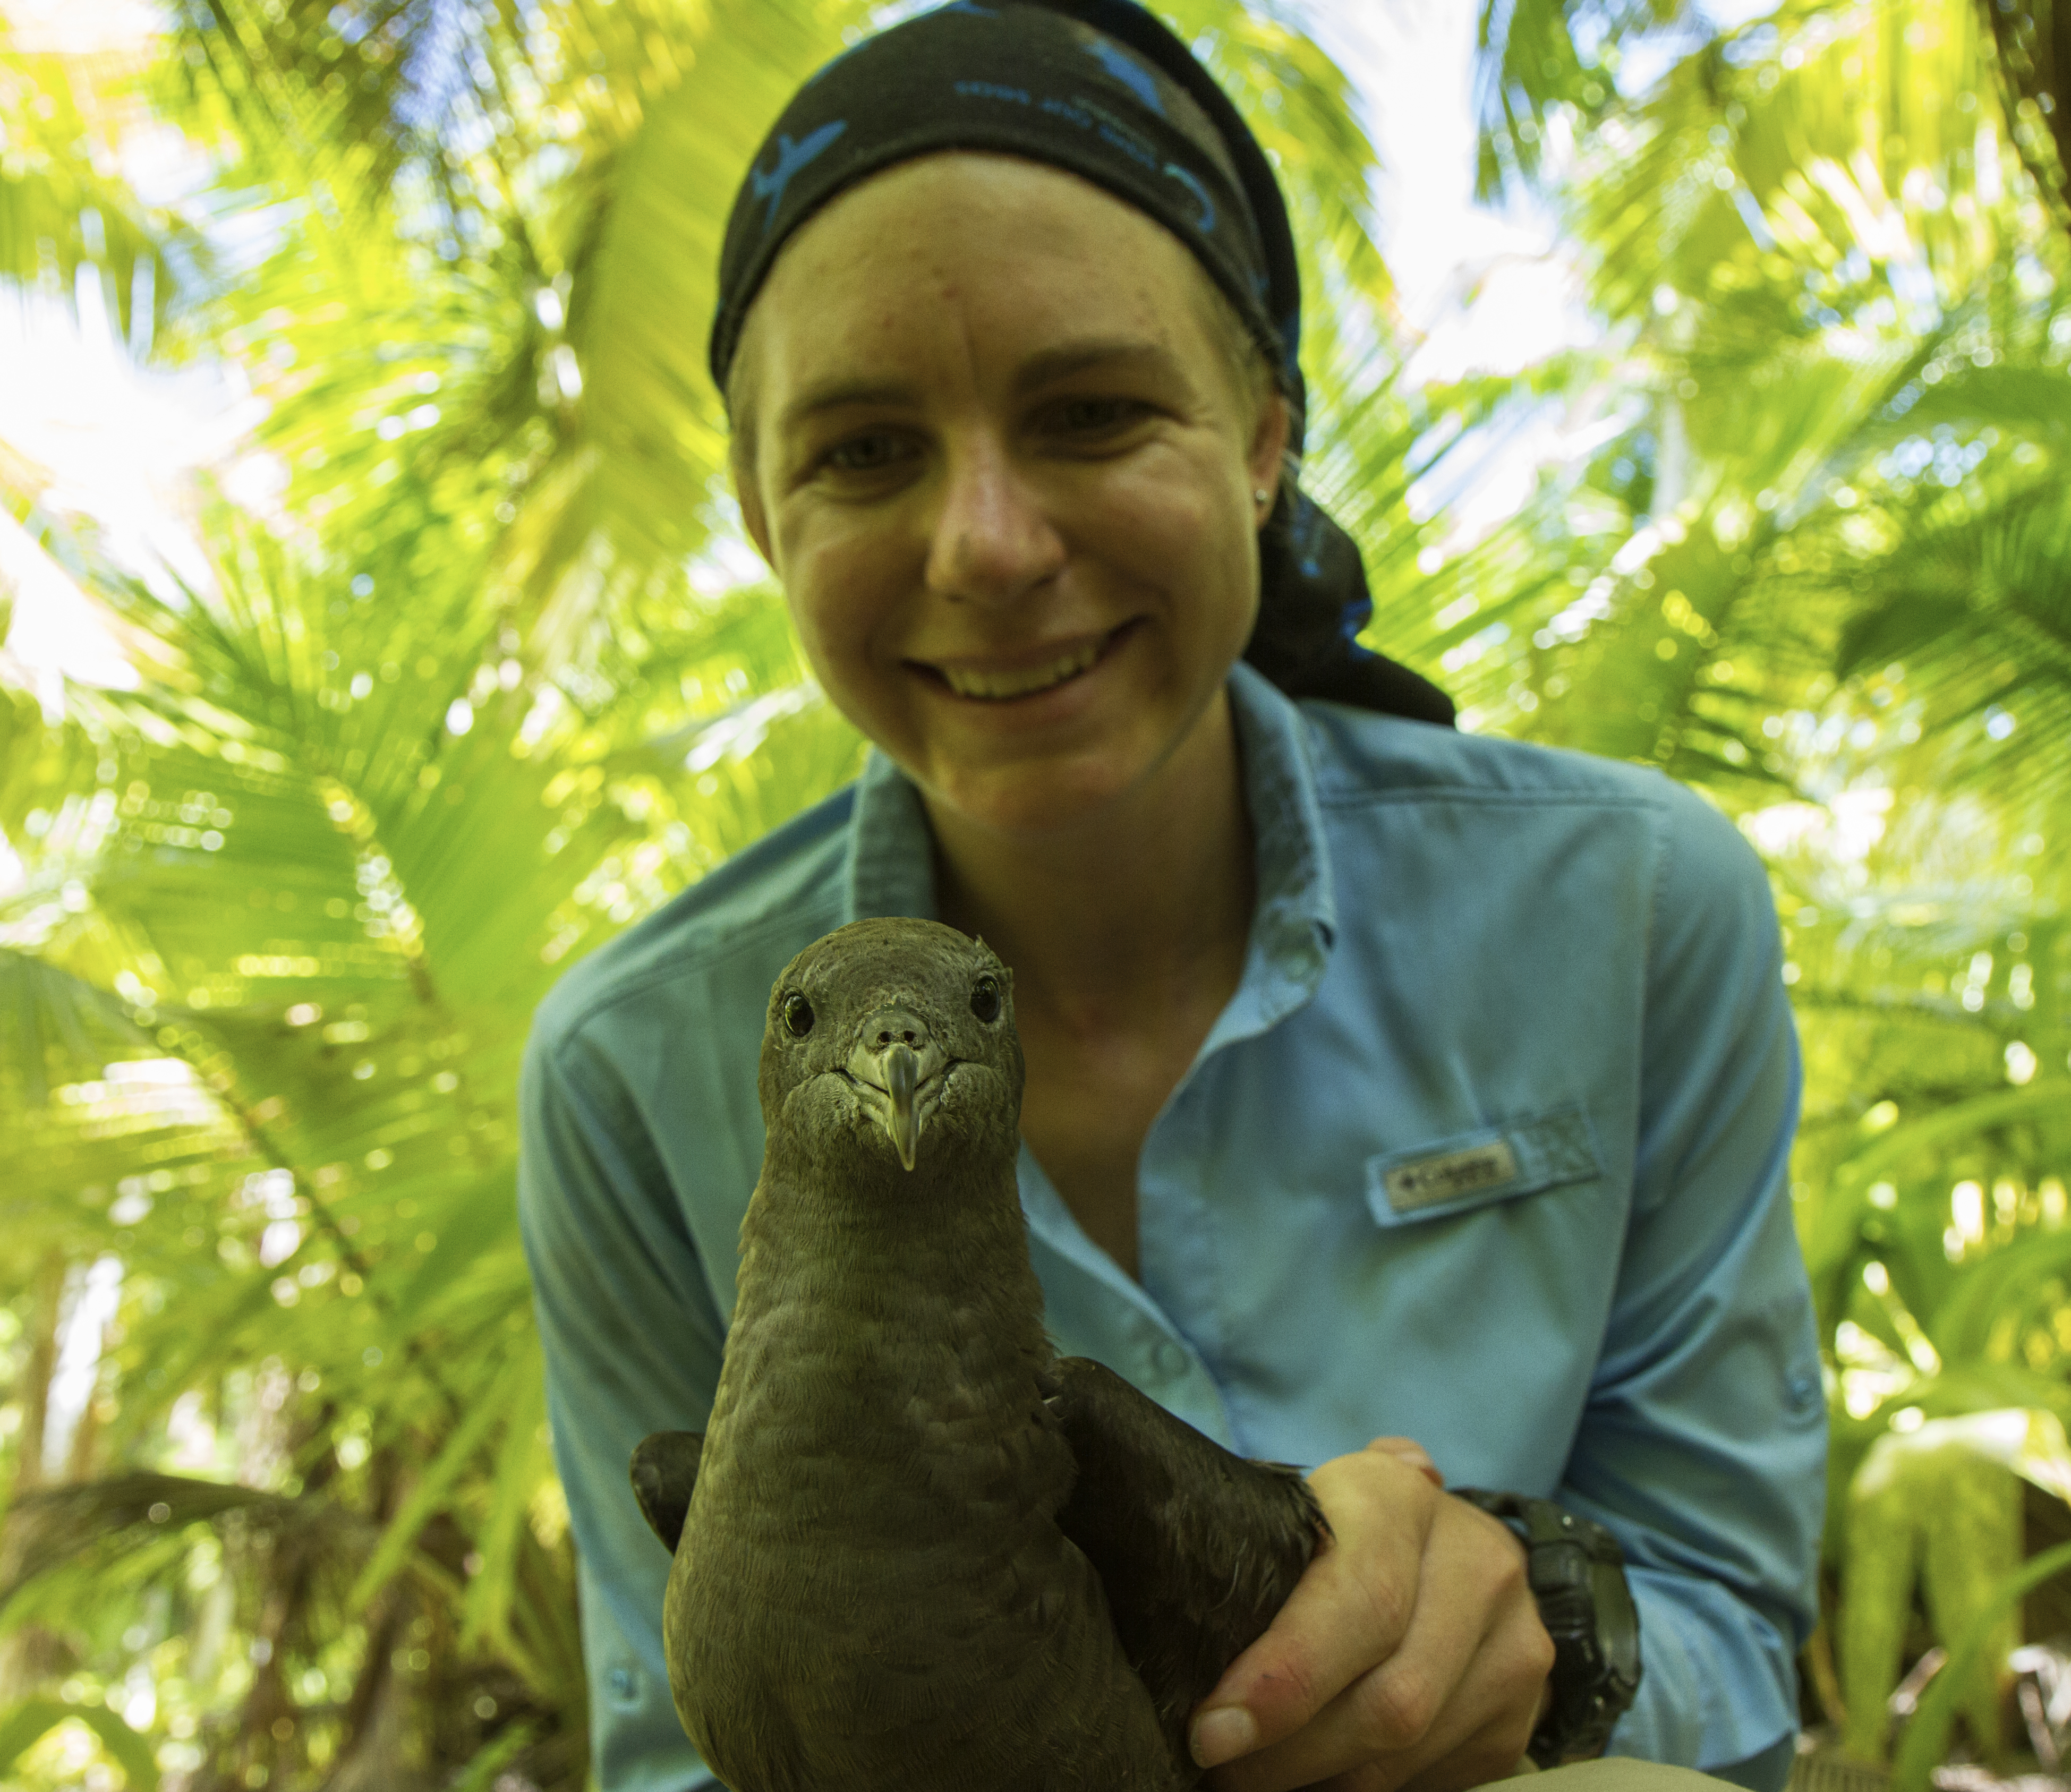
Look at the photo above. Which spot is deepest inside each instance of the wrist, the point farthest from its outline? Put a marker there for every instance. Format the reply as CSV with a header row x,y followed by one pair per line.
x,y
1577,1579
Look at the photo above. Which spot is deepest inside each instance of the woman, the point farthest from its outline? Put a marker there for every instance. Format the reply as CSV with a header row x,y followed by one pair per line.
x,y
1380,1080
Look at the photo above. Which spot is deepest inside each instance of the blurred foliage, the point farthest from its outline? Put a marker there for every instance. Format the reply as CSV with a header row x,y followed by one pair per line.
x,y
1830,249
490,678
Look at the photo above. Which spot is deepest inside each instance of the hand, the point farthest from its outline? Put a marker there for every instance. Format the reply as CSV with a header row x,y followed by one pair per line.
x,y
1409,1654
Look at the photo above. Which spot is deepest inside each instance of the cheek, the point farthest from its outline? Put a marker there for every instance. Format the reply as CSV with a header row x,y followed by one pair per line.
x,y
1187,527
846,592
1189,496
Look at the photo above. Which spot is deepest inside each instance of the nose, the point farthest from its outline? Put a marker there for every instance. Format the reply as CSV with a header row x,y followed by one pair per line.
x,y
993,540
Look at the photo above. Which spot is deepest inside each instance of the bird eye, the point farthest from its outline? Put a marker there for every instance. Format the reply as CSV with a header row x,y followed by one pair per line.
x,y
797,1015
985,998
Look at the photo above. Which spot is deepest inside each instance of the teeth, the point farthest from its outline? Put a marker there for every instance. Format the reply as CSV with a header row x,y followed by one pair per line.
x,y
996,684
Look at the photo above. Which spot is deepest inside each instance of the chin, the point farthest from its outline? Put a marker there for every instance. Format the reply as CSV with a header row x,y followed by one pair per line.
x,y
1090,750
1046,797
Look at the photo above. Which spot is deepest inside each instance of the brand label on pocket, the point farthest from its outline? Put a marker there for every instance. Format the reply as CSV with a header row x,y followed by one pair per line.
x,y
1448,1176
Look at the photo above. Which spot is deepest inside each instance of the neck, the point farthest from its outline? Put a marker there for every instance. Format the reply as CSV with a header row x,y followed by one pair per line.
x,y
825,1212
1153,891
871,1257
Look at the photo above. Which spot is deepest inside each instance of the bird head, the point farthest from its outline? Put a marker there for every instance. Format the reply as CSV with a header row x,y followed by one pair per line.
x,y
897,1034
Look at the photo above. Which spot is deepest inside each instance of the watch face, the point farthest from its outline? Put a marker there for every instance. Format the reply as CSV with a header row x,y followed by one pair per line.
x,y
1588,1610
1558,1567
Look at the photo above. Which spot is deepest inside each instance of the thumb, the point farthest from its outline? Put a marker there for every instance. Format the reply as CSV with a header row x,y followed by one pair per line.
x,y
1408,1450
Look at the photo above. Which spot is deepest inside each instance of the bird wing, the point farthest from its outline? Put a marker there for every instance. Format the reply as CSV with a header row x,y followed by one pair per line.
x,y
665,1469
1197,1548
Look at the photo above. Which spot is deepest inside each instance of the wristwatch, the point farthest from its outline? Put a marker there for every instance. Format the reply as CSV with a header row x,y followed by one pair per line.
x,y
1577,1575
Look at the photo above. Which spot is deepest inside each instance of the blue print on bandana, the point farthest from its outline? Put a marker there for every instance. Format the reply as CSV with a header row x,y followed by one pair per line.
x,y
1109,134
1206,222
790,157
1131,73
966,5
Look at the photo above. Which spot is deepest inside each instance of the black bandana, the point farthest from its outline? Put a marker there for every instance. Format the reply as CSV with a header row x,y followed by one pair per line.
x,y
1101,89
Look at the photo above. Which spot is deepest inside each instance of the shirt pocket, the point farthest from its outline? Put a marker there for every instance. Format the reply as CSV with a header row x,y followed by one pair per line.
x,y
1441,1177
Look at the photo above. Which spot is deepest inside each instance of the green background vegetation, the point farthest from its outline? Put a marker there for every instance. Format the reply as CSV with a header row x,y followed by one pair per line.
x,y
489,682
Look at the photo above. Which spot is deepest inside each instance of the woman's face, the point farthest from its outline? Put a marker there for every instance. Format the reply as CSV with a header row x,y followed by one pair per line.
x,y
994,446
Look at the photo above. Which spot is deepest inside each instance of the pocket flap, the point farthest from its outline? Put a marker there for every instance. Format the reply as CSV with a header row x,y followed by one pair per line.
x,y
1444,1176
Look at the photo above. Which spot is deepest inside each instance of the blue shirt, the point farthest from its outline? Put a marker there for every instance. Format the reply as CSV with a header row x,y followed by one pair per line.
x,y
1488,1149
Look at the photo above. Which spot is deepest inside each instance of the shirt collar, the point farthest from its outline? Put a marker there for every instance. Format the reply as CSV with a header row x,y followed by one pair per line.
x,y
1295,921
891,868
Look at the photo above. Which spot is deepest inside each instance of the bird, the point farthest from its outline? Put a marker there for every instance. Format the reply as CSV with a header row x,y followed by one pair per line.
x,y
913,1548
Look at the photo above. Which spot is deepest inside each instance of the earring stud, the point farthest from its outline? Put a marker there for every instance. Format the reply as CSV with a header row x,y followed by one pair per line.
x,y
1260,495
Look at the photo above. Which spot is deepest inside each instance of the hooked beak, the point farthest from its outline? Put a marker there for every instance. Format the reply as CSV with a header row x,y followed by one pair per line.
x,y
902,1072
895,1070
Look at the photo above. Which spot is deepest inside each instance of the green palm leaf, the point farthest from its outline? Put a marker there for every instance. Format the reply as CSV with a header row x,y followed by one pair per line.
x,y
64,207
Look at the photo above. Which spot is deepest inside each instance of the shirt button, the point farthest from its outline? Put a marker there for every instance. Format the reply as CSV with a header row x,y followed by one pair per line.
x,y
1169,1359
625,1686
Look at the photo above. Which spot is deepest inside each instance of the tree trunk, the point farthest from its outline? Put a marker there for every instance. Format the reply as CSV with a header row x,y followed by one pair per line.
x,y
32,1654
2033,38
36,1374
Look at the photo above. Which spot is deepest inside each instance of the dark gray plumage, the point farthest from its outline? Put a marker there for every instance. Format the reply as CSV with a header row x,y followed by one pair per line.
x,y
917,1551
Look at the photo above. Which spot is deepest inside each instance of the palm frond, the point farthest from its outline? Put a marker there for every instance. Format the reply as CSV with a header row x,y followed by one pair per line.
x,y
1537,57
65,207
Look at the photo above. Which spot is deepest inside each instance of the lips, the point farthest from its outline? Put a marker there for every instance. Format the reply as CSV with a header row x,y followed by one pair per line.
x,y
1000,683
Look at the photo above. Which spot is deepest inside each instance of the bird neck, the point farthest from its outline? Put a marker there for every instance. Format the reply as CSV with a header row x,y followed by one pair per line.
x,y
923,1271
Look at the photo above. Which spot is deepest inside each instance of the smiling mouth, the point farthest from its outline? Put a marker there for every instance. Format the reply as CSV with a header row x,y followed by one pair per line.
x,y
1001,686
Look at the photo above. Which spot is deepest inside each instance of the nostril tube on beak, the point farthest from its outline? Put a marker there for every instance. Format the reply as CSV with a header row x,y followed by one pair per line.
x,y
891,1027
896,1053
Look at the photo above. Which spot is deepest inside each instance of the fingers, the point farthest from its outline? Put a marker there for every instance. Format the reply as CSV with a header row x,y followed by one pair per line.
x,y
1495,1751
1450,1750
1360,1779
1452,1705
1485,1758
1350,1609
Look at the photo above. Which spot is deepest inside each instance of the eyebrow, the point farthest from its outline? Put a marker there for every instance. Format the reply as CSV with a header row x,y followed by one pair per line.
x,y
1039,371
831,394
1070,358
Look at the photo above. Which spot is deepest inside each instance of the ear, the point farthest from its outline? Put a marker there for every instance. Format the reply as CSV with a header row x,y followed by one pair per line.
x,y
744,451
748,495
1268,443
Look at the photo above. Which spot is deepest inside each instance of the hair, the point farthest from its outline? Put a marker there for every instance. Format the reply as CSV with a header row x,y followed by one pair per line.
x,y
1257,369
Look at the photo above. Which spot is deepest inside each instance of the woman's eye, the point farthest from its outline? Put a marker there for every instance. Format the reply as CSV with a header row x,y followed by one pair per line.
x,y
1092,415
865,454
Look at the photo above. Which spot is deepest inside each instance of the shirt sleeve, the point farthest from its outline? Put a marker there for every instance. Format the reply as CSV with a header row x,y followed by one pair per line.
x,y
633,1343
1703,1445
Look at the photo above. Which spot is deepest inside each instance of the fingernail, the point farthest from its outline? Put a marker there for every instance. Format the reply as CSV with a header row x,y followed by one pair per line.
x,y
1221,1735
